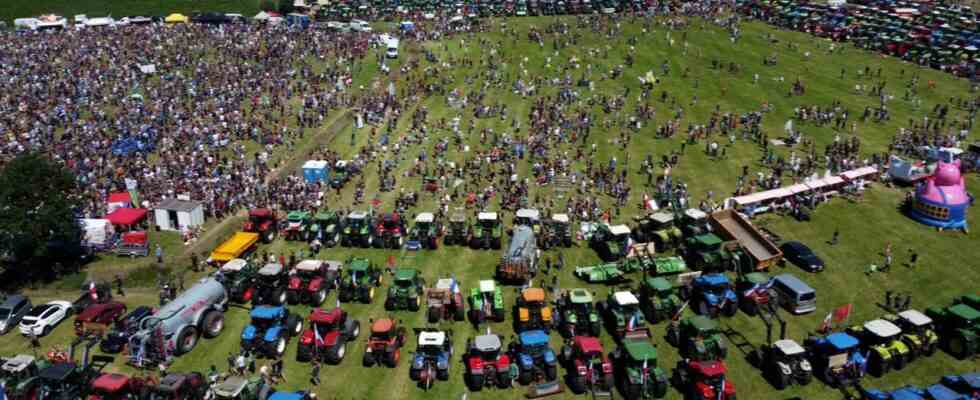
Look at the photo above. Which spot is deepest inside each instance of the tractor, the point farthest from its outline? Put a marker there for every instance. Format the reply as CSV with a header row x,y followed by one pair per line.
x,y
407,290
327,335
264,222
882,341
270,330
958,326
698,338
658,228
532,311
659,299
425,233
556,232
754,292
836,358
359,280
19,376
967,384
117,386
384,346
622,314
70,380
311,280
709,253
339,174
486,303
611,242
389,231
535,360
917,332
703,380
459,230
444,301
589,369
694,222
577,314
520,263
238,277
907,392
432,358
635,368
485,365
237,387
712,294
270,285
784,361
298,226
606,273
178,386
327,227
529,217
122,330
358,230
486,232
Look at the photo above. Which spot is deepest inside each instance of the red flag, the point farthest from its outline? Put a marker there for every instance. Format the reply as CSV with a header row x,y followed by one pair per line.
x,y
842,312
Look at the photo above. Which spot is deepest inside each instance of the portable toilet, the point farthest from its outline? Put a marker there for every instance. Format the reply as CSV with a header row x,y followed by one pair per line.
x,y
315,171
298,19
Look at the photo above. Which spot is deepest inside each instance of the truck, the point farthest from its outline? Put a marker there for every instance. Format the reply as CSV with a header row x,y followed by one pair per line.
x,y
238,246
733,226
176,327
520,263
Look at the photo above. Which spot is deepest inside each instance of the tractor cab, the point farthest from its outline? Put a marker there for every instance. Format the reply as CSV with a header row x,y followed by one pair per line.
x,y
659,299
913,321
114,387
529,217
270,281
308,271
557,232
623,314
432,343
297,225
535,345
698,337
425,233
694,222
836,357
709,380
487,347
580,306
17,375
713,293
752,290
406,291
883,339
382,330
486,232
326,227
788,352
356,221
458,229
262,221
636,368
612,241
178,387
533,311
240,388
238,277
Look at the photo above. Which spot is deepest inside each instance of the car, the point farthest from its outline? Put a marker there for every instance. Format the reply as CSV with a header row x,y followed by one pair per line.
x,y
801,256
44,317
12,310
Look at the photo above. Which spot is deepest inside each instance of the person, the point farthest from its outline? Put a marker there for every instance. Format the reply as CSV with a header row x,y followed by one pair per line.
x,y
888,257
159,253
194,262
119,286
913,257
240,364
834,240
315,373
277,374
266,375
35,344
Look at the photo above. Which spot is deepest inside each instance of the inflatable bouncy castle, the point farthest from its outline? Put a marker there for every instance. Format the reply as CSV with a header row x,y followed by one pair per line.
x,y
941,200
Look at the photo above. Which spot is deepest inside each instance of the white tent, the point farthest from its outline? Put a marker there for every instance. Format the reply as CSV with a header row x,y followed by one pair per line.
x,y
261,16
97,232
175,215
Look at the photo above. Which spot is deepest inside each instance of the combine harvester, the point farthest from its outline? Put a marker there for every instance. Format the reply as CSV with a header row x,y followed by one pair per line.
x,y
730,225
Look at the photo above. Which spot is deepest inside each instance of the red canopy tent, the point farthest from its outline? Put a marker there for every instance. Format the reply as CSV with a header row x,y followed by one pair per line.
x,y
126,216
120,197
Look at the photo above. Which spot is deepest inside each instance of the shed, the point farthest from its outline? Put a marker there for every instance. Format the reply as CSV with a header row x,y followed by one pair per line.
x,y
315,171
175,214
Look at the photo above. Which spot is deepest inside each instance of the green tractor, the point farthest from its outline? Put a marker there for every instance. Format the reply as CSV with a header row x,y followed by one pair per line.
x,y
577,314
612,242
917,332
693,222
459,230
959,326
486,232
358,230
297,226
425,233
360,278
556,232
698,338
710,253
659,299
407,290
622,313
19,376
658,228
486,303
635,368
326,227
240,388
339,175
882,340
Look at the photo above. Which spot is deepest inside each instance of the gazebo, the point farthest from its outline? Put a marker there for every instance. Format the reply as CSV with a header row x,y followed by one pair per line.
x,y
126,217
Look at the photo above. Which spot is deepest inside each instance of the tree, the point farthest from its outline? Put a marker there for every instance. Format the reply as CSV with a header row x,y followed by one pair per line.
x,y
267,5
37,221
286,7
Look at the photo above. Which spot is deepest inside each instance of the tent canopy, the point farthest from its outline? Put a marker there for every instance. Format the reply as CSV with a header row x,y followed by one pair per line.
x,y
126,216
175,18
120,197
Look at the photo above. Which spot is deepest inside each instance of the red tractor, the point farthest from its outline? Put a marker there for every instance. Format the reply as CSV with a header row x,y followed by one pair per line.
x,y
98,319
389,231
486,365
327,335
703,380
180,386
116,386
588,368
310,281
264,222
385,344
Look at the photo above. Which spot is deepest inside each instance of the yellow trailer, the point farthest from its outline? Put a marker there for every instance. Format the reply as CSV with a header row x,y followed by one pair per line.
x,y
238,246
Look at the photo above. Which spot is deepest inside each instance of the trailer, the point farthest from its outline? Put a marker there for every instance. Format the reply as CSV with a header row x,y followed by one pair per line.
x,y
733,226
238,246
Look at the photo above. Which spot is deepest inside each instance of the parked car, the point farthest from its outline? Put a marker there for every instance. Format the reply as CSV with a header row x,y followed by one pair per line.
x,y
794,294
801,256
12,310
44,317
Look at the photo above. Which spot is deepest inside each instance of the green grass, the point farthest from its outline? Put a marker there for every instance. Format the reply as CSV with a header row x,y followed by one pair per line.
x,y
944,270
121,8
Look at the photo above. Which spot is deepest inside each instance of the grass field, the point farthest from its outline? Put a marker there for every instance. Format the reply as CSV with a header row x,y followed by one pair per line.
x,y
945,268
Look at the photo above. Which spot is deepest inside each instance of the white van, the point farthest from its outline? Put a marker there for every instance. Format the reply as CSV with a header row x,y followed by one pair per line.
x,y
357,25
392,48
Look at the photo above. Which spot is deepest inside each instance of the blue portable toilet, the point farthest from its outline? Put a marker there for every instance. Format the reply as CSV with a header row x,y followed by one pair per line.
x,y
407,26
315,171
302,20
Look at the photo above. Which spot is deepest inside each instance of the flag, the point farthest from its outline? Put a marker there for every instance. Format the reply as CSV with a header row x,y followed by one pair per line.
x,y
317,339
721,392
487,308
353,278
338,302
825,325
455,285
841,313
643,376
631,324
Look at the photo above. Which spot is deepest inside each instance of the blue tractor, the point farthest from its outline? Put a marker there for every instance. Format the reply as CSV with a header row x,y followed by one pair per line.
x,y
290,396
836,358
968,384
711,294
431,360
270,330
535,360
902,393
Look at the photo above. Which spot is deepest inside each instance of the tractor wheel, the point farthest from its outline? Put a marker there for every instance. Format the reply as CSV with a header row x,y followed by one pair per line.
x,y
448,240
730,309
336,353
304,353
389,304
377,242
474,382
391,359
495,243
368,359
367,241
930,349
498,315
269,236
414,374
368,296
524,377
333,242
415,305
876,365
278,348
278,297
459,313
352,329
960,347
805,378
898,362
779,380
292,297
186,340
295,325
213,323
434,243
345,242
577,384
443,374
634,391
433,315
401,242
551,372
321,296
343,295
673,336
